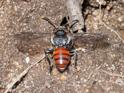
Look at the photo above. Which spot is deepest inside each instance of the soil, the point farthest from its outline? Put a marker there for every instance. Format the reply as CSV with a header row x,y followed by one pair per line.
x,y
99,70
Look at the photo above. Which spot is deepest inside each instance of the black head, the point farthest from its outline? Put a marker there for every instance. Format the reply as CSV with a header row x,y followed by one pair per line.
x,y
60,32
60,38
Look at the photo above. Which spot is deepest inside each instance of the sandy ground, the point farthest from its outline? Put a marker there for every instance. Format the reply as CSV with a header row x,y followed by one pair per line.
x,y
99,70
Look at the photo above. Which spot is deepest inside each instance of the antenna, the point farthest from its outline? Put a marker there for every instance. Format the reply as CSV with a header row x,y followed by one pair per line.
x,y
50,22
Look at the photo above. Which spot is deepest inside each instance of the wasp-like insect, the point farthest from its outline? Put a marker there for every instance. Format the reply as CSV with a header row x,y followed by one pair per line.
x,y
62,51
64,45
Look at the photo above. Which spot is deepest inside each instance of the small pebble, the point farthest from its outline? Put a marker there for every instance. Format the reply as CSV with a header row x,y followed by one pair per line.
x,y
27,59
63,78
54,72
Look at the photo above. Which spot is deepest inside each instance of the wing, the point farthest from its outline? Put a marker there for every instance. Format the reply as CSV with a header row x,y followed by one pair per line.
x,y
31,42
91,41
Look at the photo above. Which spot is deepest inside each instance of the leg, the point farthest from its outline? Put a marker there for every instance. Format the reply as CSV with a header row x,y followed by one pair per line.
x,y
50,22
47,52
74,22
75,59
74,54
68,70
65,22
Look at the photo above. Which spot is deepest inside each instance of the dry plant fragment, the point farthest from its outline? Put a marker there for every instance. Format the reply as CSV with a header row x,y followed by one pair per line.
x,y
112,74
75,15
63,78
112,30
2,3
20,76
102,22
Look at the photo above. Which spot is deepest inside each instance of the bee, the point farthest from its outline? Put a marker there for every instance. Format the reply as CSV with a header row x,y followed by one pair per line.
x,y
62,51
64,45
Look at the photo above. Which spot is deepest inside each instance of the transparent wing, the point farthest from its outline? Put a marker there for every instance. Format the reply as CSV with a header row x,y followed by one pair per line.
x,y
34,43
91,41
31,42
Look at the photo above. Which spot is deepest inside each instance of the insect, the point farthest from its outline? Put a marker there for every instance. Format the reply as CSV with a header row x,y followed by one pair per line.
x,y
63,48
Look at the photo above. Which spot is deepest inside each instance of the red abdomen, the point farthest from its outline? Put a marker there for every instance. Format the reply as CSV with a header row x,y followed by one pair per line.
x,y
62,58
